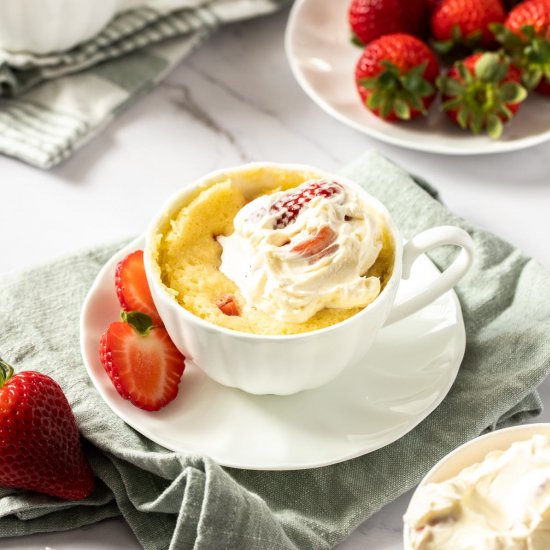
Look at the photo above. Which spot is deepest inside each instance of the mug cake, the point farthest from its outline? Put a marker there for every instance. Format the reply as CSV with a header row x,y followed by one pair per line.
x,y
274,252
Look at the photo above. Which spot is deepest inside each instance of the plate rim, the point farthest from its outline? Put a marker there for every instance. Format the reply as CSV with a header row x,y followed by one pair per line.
x,y
497,147
138,242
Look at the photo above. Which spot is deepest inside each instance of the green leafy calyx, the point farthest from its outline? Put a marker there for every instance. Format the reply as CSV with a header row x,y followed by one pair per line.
x,y
529,51
6,372
141,322
393,91
481,99
458,45
356,41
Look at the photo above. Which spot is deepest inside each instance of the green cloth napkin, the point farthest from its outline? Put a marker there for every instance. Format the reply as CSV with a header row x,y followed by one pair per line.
x,y
174,501
52,104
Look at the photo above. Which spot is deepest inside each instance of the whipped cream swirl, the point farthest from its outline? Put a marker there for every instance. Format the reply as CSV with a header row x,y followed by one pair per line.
x,y
296,252
501,503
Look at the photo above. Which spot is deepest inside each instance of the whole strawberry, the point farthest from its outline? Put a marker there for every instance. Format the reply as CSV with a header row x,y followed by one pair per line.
x,y
370,19
482,92
456,23
535,13
525,36
142,361
39,440
395,77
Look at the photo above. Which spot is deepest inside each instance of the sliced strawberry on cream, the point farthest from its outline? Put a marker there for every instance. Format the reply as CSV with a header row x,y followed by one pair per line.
x,y
291,204
320,243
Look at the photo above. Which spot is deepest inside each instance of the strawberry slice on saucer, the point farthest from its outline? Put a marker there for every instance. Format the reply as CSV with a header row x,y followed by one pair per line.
x,y
142,361
132,287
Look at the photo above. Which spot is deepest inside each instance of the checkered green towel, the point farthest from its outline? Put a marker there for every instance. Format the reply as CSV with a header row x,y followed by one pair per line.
x,y
175,501
52,104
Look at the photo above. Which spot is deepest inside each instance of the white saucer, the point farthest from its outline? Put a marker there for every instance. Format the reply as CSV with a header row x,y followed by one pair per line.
x,y
405,376
323,60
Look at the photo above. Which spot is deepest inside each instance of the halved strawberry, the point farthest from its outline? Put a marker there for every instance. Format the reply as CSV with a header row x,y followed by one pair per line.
x,y
228,305
142,362
132,287
318,246
290,205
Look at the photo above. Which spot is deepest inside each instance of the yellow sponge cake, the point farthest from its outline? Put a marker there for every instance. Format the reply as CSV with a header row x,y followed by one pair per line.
x,y
188,254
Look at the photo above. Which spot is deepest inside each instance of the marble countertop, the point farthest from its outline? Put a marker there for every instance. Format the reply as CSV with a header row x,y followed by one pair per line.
x,y
234,100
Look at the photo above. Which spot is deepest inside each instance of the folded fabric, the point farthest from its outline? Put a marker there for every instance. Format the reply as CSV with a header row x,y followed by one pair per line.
x,y
52,104
176,501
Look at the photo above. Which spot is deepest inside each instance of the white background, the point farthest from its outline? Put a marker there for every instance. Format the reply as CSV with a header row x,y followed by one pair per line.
x,y
233,101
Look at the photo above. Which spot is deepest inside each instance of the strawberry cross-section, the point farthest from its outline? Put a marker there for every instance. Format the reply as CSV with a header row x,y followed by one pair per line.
x,y
289,206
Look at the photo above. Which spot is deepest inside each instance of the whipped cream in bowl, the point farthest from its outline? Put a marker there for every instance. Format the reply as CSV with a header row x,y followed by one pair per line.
x,y
296,252
491,493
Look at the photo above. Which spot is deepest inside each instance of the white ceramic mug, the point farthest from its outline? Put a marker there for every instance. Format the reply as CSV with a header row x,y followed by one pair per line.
x,y
286,364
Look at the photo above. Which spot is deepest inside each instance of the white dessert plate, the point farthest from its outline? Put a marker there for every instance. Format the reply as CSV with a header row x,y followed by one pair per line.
x,y
406,374
473,452
323,60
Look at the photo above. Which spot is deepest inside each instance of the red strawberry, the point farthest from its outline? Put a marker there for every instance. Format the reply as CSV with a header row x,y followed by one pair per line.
x,y
465,22
318,246
535,13
395,77
370,19
132,288
228,305
432,4
543,86
525,36
290,205
481,92
39,440
143,363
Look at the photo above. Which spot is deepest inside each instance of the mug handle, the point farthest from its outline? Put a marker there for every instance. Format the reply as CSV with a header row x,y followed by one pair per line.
x,y
421,243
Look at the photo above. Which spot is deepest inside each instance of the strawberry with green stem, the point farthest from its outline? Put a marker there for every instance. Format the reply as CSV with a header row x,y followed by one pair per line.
x,y
482,92
395,77
40,446
458,25
525,36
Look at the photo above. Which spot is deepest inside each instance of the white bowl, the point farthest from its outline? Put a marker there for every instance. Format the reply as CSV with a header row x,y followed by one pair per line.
x,y
322,59
473,452
45,26
287,364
